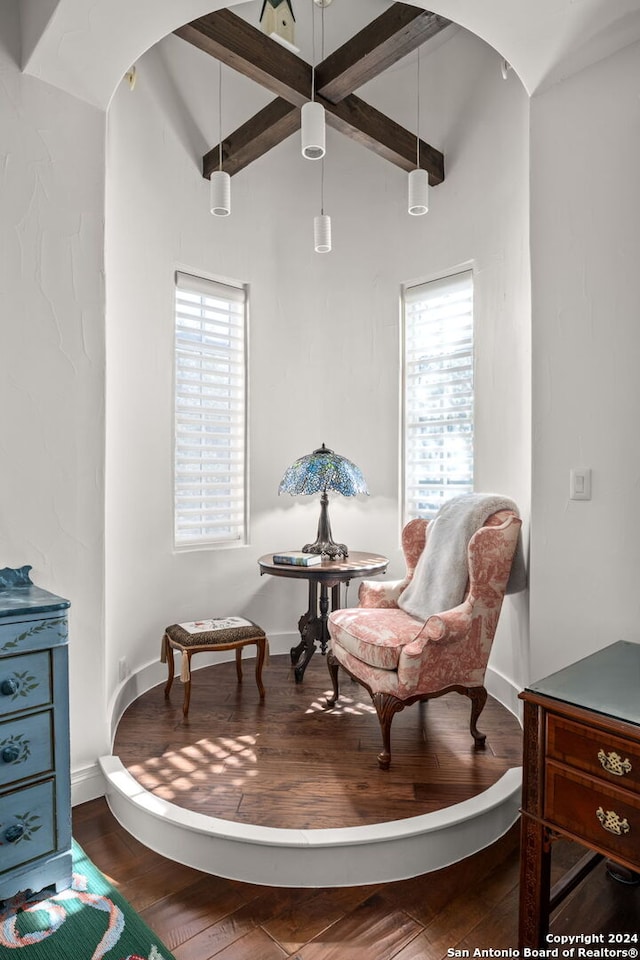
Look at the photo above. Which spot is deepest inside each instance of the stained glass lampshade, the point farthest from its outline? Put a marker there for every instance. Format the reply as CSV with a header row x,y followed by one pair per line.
x,y
319,472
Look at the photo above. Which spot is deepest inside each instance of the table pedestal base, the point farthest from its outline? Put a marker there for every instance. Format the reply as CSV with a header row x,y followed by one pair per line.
x,y
322,577
313,626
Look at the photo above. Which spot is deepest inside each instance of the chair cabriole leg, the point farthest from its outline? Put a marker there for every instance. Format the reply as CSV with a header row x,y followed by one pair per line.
x,y
333,664
478,697
386,707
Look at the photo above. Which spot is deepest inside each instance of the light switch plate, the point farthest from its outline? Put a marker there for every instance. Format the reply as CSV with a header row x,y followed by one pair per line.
x,y
580,483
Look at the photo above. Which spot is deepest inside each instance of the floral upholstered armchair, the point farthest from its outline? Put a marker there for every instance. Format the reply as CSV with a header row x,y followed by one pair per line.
x,y
401,657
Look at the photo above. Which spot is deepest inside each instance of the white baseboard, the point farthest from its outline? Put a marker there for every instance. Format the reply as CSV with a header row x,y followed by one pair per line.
x,y
505,691
87,783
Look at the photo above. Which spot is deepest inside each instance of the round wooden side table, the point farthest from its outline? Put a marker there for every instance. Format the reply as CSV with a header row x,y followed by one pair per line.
x,y
322,577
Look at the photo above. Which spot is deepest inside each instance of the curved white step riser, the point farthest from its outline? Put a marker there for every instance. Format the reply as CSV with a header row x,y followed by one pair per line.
x,y
350,856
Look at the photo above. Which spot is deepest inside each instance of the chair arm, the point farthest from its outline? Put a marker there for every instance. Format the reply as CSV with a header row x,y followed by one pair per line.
x,y
429,659
375,593
447,627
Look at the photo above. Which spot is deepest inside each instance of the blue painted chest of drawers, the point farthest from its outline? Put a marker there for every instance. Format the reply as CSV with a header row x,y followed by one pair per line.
x,y
35,781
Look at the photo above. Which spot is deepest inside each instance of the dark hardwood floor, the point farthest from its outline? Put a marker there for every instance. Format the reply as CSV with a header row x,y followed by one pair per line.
x,y
470,905
289,762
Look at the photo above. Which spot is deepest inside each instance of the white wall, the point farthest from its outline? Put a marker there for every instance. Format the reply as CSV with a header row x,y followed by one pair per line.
x,y
585,204
324,329
52,362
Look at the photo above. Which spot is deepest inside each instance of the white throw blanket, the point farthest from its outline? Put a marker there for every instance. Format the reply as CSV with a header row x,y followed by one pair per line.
x,y
440,577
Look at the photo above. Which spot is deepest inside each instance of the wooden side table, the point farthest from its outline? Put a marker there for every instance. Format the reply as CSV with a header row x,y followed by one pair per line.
x,y
322,577
581,777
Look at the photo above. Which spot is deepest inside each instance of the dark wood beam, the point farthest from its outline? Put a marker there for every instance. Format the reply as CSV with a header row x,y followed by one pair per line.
x,y
257,136
247,50
366,125
352,116
395,33
227,37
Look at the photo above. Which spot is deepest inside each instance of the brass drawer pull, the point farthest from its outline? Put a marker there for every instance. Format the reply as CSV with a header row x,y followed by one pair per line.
x,y
612,823
613,763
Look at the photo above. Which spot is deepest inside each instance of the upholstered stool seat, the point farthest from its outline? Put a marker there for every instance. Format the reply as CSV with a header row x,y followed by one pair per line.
x,y
223,633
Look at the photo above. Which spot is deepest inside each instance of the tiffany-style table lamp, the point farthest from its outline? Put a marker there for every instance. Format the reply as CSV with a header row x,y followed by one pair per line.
x,y
321,471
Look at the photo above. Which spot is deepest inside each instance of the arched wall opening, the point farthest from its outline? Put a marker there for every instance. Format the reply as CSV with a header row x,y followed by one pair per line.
x,y
324,330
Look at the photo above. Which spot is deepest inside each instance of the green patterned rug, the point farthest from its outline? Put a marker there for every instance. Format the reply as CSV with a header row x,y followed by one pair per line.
x,y
89,921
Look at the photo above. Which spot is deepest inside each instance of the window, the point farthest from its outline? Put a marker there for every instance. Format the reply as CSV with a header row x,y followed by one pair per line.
x,y
438,393
210,412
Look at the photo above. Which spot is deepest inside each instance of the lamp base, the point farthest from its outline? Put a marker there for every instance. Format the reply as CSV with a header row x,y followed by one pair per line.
x,y
324,541
335,551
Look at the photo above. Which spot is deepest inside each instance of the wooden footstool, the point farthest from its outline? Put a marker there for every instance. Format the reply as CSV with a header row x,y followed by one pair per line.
x,y
223,633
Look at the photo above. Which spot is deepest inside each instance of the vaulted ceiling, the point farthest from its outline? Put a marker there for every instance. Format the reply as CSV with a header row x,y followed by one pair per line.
x,y
392,35
86,49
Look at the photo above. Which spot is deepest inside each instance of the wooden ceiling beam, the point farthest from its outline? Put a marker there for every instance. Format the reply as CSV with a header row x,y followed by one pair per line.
x,y
352,116
366,125
230,39
394,34
277,121
247,50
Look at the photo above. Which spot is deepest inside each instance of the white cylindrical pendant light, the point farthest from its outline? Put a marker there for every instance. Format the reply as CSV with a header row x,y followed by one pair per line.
x,y
322,233
313,130
418,192
220,193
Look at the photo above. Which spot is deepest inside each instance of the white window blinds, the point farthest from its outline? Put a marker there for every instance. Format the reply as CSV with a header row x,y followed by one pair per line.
x,y
210,412
438,393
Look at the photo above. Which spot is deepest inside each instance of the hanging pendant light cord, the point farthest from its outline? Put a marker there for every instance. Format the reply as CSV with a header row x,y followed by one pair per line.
x,y
313,52
418,117
322,57
220,109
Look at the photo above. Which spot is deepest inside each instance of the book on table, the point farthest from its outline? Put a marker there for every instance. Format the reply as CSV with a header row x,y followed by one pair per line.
x,y
297,558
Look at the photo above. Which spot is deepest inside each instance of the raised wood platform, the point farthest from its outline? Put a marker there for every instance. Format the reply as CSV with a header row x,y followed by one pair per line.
x,y
290,763
289,793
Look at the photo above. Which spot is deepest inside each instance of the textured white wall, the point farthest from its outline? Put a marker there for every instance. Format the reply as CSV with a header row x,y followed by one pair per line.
x,y
52,362
324,329
585,240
